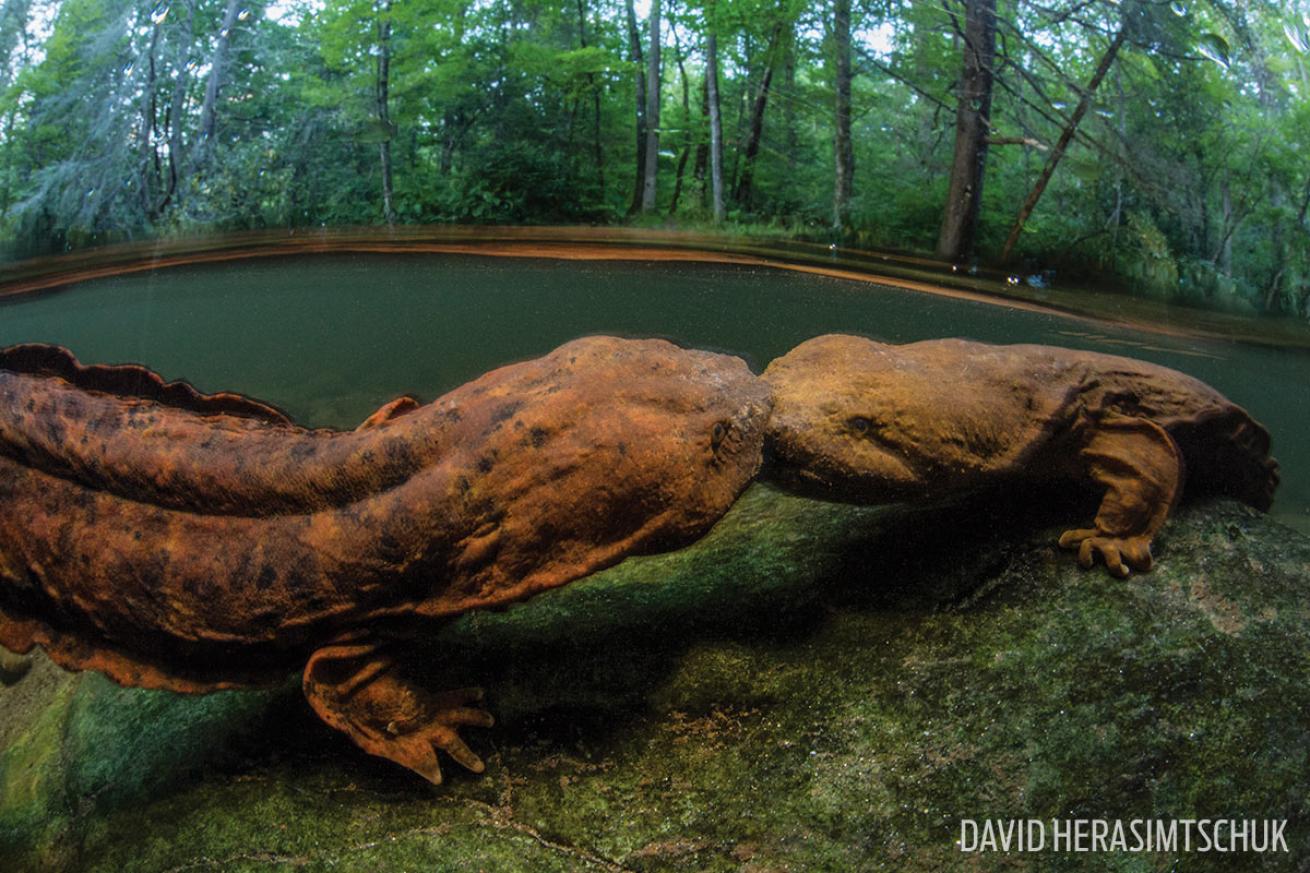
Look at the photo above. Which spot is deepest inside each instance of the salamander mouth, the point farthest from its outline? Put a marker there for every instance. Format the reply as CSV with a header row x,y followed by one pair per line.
x,y
843,463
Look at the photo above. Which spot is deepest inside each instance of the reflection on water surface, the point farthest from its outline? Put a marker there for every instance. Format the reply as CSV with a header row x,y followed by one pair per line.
x,y
329,337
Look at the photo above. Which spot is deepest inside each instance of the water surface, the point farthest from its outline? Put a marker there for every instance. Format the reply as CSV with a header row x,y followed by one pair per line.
x,y
331,337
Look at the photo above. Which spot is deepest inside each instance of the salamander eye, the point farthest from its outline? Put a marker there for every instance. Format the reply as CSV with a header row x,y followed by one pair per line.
x,y
860,425
717,435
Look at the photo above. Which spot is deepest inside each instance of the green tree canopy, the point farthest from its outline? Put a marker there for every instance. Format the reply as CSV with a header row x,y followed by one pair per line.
x,y
1151,145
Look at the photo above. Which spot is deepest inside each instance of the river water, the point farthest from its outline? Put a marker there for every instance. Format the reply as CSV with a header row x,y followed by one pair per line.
x,y
329,337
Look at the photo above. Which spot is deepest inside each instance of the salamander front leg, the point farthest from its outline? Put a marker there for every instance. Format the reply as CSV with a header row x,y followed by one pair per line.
x,y
358,689
1141,468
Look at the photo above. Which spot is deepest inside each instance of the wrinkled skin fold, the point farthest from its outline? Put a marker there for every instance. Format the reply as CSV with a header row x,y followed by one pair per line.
x,y
172,539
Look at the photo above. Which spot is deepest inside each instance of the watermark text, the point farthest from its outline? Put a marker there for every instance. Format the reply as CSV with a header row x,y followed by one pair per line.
x,y
1117,835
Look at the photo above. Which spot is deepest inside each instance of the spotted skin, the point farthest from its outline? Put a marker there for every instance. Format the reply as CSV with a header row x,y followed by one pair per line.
x,y
176,540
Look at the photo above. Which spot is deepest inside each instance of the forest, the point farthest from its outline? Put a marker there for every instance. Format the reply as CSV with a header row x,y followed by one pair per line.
x,y
1149,146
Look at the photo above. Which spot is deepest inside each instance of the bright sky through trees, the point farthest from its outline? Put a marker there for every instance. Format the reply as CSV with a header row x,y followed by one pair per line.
x,y
1153,146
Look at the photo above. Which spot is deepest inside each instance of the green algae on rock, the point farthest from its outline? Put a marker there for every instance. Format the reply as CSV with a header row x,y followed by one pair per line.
x,y
800,690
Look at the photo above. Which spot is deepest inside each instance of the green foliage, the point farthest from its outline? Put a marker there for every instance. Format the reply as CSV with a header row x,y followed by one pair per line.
x,y
1146,259
1186,180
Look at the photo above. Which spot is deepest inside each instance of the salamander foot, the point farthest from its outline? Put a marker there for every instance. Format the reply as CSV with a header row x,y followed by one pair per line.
x,y
360,692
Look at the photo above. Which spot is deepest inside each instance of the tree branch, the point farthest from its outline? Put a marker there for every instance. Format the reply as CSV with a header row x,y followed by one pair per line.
x,y
1017,140
1030,203
866,58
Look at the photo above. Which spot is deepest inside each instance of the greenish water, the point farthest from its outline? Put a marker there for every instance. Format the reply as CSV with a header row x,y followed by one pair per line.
x,y
331,337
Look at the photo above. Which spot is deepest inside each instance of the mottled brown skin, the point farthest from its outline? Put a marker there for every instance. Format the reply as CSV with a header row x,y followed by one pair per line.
x,y
861,421
193,542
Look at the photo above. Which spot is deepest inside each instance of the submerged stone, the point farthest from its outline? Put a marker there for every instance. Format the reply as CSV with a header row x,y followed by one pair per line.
x,y
811,686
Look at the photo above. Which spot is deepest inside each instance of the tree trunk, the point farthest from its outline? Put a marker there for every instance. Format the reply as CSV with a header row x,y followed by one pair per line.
x,y
1066,136
746,182
1223,255
677,184
383,94
1200,192
651,173
149,157
1277,200
596,144
959,229
739,128
843,153
176,108
1271,292
217,72
716,122
595,98
1272,104
687,137
7,191
702,164
790,135
8,66
1305,206
1282,253
634,55
452,129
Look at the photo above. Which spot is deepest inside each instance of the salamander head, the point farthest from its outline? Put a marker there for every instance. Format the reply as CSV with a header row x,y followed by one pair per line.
x,y
632,441
844,424
709,415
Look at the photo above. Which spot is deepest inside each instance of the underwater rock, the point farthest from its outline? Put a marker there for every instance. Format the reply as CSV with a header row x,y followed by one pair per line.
x,y
811,686
859,420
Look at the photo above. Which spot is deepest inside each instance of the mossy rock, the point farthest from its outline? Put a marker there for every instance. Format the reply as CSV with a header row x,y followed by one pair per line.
x,y
811,687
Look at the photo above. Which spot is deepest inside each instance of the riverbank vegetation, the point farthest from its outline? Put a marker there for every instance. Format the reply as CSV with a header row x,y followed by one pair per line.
x,y
1154,146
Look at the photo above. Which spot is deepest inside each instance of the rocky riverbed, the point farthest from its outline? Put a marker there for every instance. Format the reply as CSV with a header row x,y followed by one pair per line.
x,y
811,687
